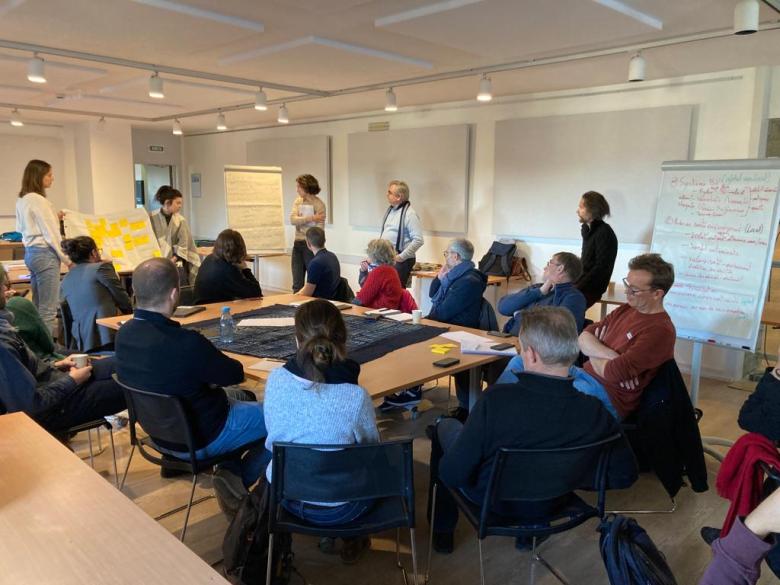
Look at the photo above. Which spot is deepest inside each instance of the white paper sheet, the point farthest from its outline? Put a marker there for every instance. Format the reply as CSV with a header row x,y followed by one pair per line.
x,y
465,336
402,317
268,322
266,365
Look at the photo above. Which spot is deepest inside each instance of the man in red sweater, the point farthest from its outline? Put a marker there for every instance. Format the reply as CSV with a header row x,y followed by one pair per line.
x,y
630,344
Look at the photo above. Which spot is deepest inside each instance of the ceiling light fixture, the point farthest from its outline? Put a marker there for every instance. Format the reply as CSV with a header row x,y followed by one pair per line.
x,y
636,68
261,101
16,118
391,105
746,17
221,125
284,117
485,89
35,71
156,86
177,131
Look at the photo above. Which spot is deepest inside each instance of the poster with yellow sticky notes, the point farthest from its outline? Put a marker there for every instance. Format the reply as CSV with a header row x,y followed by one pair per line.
x,y
126,237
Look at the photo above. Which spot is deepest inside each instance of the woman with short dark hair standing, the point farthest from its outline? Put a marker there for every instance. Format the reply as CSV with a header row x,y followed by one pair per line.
x,y
308,210
173,232
39,224
223,275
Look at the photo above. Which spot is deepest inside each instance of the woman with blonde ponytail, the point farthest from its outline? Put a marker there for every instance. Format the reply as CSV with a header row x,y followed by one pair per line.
x,y
315,398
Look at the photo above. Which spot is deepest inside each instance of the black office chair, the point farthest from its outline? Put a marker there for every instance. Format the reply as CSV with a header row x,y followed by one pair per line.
x,y
67,327
89,426
536,475
164,417
341,473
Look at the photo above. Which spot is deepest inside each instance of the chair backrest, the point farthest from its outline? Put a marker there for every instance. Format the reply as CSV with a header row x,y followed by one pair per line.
x,y
544,474
161,416
344,292
342,473
67,327
17,385
187,294
487,316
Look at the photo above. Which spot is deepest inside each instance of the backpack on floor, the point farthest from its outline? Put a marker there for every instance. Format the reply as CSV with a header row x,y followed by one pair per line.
x,y
245,547
630,556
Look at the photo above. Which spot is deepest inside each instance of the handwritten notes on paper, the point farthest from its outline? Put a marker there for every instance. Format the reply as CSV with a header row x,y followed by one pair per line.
x,y
125,237
254,206
717,228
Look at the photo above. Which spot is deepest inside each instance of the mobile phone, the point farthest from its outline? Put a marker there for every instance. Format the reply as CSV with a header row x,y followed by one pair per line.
x,y
446,362
501,346
499,334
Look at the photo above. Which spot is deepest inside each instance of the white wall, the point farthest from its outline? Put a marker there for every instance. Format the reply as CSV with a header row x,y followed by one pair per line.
x,y
724,127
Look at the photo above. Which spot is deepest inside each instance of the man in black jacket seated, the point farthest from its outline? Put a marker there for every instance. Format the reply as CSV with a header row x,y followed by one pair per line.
x,y
542,410
57,395
599,247
155,354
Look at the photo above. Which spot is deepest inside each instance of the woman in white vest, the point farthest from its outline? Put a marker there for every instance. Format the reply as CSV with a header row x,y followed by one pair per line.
x,y
173,232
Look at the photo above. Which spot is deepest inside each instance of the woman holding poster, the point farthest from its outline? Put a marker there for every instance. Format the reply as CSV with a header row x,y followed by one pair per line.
x,y
173,233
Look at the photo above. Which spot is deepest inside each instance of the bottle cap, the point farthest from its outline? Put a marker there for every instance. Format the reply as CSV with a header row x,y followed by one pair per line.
x,y
225,309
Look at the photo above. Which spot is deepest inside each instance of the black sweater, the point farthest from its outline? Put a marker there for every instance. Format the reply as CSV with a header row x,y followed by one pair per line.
x,y
599,249
219,281
537,412
156,354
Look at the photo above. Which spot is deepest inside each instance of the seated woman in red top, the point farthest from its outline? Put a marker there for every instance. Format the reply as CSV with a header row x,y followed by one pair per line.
x,y
381,288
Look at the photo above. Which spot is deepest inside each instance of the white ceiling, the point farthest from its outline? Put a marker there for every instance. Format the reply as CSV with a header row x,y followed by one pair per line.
x,y
348,50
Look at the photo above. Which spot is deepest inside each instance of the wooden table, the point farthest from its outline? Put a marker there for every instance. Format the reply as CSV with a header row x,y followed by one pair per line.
x,y
771,314
252,255
398,370
60,522
616,297
11,250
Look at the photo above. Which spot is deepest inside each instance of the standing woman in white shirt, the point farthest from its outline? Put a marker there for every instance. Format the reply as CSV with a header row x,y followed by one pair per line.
x,y
39,223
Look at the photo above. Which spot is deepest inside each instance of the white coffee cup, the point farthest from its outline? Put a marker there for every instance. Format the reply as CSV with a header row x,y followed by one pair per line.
x,y
80,359
416,316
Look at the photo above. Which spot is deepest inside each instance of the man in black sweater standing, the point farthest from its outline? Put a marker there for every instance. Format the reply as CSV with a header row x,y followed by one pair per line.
x,y
541,410
599,247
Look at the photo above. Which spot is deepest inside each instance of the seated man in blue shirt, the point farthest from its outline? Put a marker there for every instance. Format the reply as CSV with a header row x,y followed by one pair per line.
x,y
156,354
323,276
456,298
556,290
541,409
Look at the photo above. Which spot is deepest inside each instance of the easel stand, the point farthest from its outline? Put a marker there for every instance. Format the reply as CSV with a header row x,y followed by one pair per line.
x,y
707,442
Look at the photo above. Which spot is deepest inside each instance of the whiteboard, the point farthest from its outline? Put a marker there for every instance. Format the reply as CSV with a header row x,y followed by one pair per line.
x,y
544,165
717,223
309,155
253,196
433,161
15,152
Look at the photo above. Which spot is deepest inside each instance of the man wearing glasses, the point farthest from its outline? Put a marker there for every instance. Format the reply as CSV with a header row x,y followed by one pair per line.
x,y
628,346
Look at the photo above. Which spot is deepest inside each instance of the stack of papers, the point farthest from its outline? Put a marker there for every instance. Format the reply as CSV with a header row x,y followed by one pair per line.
x,y
268,322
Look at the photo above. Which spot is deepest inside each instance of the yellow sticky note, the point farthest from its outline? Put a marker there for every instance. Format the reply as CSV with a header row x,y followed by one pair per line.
x,y
114,231
157,254
103,222
98,241
127,238
137,225
129,246
123,223
90,225
117,266
117,253
141,240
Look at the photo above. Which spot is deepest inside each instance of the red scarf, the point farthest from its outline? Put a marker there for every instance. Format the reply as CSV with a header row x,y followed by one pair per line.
x,y
740,479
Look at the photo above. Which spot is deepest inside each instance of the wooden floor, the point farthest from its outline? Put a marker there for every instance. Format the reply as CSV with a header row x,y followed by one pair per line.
x,y
575,553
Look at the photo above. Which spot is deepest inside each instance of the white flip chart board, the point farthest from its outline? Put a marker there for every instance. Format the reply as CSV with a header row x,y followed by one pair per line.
x,y
716,221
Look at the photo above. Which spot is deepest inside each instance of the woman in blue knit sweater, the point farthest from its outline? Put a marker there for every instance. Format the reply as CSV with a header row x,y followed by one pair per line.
x,y
315,398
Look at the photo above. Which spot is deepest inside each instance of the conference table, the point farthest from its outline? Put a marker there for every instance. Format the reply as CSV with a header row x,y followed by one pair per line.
x,y
60,522
423,279
398,370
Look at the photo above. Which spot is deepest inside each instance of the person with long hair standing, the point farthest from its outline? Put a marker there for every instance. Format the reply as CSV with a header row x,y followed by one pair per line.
x,y
173,233
39,224
316,398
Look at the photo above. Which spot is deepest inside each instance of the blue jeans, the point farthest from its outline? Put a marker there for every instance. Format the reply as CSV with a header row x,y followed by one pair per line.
x,y
328,516
244,424
44,265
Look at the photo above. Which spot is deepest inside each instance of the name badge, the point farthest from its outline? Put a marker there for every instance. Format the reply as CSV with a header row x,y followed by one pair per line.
x,y
629,336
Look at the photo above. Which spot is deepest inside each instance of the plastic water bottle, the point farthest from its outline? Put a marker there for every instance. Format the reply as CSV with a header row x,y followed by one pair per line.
x,y
227,328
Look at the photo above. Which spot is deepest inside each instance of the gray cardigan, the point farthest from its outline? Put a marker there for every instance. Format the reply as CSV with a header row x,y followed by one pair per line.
x,y
93,291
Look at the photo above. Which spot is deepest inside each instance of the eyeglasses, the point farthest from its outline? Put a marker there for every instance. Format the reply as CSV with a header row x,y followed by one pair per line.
x,y
632,290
